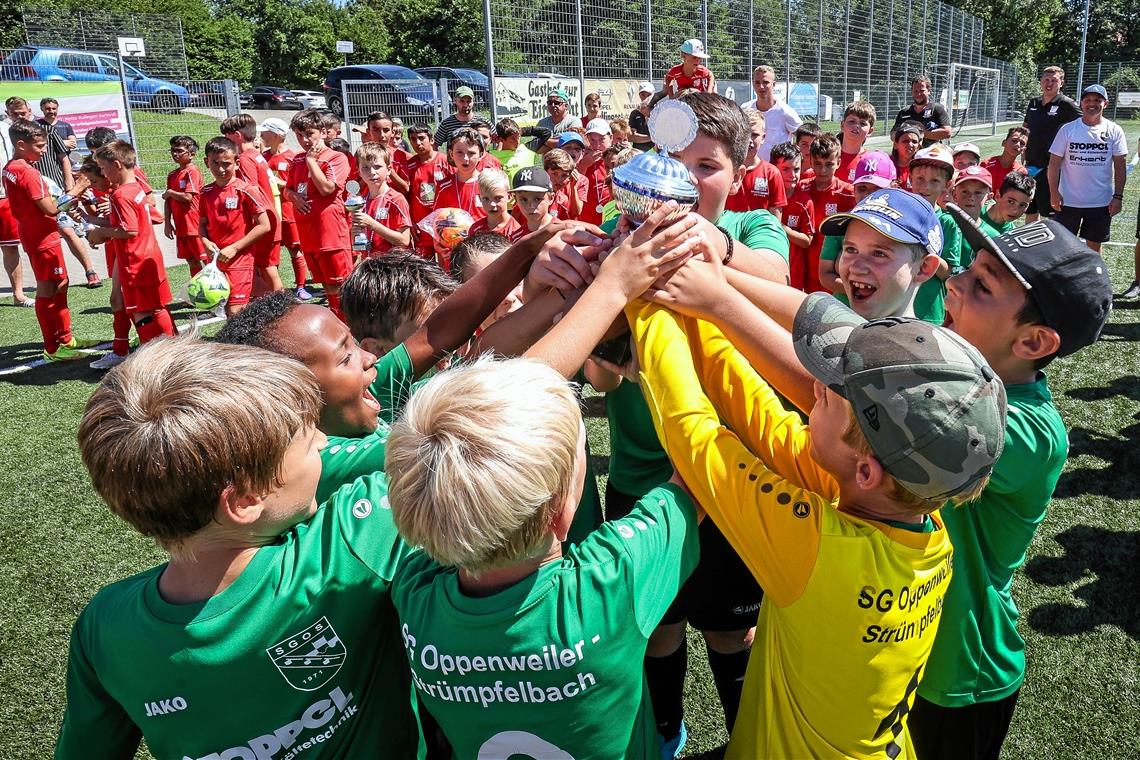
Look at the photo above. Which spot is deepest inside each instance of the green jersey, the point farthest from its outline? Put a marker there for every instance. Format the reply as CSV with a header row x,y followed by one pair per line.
x,y
393,384
519,158
759,230
967,252
298,656
637,461
978,654
1001,227
551,667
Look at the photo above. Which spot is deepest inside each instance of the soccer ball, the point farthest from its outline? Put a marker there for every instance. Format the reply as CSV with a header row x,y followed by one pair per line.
x,y
451,225
208,289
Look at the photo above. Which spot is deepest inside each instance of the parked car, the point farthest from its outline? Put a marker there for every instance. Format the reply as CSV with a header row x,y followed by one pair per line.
x,y
36,63
310,98
456,78
207,94
267,96
397,90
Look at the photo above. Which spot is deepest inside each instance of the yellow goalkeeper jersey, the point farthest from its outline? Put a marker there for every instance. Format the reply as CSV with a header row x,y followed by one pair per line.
x,y
851,606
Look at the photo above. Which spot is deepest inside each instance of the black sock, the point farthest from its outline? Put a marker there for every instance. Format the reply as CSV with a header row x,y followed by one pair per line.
x,y
728,675
666,678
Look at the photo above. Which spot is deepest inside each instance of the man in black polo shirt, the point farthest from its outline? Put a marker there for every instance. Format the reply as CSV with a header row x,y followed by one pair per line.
x,y
933,116
1044,116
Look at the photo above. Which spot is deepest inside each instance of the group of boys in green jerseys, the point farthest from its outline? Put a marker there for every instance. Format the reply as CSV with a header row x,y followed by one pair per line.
x,y
571,667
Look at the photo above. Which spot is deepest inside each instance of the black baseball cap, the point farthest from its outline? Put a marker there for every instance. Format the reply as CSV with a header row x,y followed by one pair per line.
x,y
1067,280
531,179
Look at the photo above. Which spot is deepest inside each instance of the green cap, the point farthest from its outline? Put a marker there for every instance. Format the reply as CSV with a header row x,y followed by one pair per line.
x,y
559,93
930,407
464,92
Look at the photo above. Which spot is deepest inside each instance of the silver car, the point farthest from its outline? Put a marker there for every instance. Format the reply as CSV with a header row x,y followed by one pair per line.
x,y
310,98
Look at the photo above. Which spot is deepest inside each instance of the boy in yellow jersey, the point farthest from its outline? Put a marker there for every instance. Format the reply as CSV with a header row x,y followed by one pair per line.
x,y
837,519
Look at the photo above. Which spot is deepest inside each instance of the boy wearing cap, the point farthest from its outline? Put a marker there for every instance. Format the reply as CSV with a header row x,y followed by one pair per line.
x,y
1031,295
1087,170
762,186
966,154
874,171
691,73
531,189
931,171
638,117
593,170
857,125
279,157
970,189
1009,159
838,520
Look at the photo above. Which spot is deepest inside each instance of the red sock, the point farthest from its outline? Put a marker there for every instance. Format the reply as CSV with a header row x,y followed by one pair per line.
x,y
158,323
121,324
195,266
334,304
300,270
46,318
62,316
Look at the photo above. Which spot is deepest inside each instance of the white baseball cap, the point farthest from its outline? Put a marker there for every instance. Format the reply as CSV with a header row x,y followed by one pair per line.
x,y
694,47
646,87
598,127
967,148
276,126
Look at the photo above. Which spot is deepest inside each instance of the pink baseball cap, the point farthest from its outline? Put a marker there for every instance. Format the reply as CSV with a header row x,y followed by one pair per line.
x,y
975,173
877,168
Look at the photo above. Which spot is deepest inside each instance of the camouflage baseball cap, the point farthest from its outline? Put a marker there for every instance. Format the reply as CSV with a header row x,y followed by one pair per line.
x,y
929,406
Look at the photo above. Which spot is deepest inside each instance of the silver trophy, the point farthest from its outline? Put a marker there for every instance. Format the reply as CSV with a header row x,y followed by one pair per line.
x,y
353,203
650,180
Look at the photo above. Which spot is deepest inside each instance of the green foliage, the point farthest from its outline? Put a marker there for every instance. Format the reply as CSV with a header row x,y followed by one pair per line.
x,y
434,32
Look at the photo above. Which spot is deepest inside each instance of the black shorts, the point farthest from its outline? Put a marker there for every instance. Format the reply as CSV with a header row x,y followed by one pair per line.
x,y
721,594
1093,224
949,733
1042,201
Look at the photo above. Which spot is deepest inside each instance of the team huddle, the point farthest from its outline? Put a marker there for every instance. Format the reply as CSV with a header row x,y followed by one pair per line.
x,y
831,433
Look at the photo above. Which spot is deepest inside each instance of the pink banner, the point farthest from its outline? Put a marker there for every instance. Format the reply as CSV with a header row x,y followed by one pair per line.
x,y
84,121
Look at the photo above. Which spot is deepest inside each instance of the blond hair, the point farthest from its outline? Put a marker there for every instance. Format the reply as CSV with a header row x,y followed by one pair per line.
x,y
492,179
557,158
481,460
895,491
168,430
755,118
371,151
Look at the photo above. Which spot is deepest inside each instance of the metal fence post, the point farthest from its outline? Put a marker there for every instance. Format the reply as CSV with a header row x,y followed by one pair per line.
x,y
649,36
581,58
488,40
126,99
705,23
819,59
788,48
925,15
846,48
870,39
890,54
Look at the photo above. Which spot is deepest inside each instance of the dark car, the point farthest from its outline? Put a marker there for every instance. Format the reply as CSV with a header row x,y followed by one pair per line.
x,y
397,90
269,97
457,78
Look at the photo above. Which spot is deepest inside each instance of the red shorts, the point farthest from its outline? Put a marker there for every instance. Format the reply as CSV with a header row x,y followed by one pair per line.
x,y
241,283
9,233
329,267
290,238
190,248
48,264
146,297
266,252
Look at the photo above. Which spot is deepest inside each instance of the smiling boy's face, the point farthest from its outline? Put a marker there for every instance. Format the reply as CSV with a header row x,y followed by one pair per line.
x,y
710,167
879,275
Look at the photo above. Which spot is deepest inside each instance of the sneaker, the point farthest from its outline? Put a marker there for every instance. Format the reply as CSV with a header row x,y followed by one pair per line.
x,y
67,353
672,749
106,361
83,342
1133,290
302,294
26,303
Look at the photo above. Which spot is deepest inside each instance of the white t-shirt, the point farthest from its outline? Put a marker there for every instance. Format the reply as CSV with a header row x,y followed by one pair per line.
x,y
780,121
1086,171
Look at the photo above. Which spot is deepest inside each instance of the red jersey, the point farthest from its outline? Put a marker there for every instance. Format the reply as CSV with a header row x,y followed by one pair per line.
x,y
999,172
561,206
465,195
25,185
837,197
391,210
325,227
230,212
677,80
489,162
847,164
279,164
184,179
597,193
512,229
139,259
424,183
254,169
762,188
799,215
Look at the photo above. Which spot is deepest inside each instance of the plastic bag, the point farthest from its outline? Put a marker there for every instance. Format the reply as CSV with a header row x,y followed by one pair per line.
x,y
209,289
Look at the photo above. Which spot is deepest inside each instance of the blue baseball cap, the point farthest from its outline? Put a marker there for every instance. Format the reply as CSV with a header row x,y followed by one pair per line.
x,y
1095,89
902,216
566,138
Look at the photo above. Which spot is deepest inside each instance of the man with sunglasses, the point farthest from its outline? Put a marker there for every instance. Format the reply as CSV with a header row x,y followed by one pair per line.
x,y
558,121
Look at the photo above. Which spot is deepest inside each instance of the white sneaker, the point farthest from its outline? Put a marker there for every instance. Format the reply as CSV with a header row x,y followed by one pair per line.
x,y
108,360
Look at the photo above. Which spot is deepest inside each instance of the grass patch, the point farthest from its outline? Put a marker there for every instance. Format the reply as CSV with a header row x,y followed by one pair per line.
x,y
153,131
1080,604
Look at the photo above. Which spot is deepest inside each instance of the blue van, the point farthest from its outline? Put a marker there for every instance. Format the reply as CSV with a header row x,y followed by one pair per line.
x,y
48,64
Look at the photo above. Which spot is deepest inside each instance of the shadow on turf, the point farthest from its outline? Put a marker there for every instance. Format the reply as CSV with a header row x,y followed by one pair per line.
x,y
45,374
1120,450
1110,596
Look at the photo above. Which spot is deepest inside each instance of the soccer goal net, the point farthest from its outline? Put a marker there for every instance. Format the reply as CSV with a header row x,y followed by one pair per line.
x,y
972,96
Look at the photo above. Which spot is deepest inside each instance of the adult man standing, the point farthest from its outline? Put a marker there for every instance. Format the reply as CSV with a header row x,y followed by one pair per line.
x,y
638,117
558,121
1087,170
464,116
780,119
933,116
1043,117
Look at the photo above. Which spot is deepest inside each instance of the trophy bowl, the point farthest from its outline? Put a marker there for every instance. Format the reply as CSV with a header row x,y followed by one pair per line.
x,y
647,182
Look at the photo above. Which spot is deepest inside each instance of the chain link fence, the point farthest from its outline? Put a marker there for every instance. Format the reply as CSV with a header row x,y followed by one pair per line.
x,y
416,102
832,53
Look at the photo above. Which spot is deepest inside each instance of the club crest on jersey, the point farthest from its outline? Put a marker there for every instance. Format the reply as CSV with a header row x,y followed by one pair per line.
x,y
427,193
831,208
309,658
1053,110
760,186
232,202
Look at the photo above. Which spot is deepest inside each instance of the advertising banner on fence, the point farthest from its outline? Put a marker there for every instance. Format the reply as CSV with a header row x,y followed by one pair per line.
x,y
83,105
